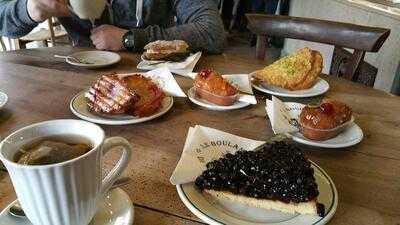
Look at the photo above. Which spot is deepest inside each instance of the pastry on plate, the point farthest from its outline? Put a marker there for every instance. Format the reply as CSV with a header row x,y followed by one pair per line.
x,y
175,50
134,95
325,120
277,176
296,71
211,86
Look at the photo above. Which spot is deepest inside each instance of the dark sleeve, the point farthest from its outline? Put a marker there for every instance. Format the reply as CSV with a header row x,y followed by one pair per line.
x,y
14,18
198,23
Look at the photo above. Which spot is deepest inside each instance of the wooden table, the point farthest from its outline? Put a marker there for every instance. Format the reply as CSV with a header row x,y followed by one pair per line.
x,y
367,176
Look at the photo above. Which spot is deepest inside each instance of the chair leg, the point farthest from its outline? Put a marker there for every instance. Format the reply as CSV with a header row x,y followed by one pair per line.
x,y
18,44
3,46
221,6
22,44
260,46
234,13
51,29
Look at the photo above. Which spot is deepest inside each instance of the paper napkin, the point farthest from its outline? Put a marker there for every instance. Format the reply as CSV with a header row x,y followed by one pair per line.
x,y
180,68
164,79
243,84
283,115
204,144
241,81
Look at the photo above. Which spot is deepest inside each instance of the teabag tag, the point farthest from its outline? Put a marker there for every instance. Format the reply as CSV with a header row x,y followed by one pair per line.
x,y
283,115
204,145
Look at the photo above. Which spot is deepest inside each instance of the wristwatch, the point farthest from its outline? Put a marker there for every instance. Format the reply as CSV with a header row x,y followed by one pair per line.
x,y
128,40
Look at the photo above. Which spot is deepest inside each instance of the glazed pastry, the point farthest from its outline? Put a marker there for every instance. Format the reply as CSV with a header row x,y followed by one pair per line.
x,y
296,71
151,95
175,50
212,87
134,95
277,177
321,122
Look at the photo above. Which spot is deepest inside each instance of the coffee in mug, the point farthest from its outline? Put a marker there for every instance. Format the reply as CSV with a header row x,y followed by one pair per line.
x,y
64,190
52,149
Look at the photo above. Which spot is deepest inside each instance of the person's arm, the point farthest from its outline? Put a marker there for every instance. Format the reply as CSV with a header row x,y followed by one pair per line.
x,y
14,18
199,24
19,17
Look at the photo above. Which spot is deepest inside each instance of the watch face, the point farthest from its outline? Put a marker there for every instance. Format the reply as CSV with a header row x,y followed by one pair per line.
x,y
129,40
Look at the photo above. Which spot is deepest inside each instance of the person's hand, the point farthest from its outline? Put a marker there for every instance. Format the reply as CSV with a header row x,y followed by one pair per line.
x,y
108,37
40,10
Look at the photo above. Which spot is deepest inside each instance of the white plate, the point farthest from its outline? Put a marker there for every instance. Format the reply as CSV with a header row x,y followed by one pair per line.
x,y
79,107
116,209
3,99
320,86
97,59
352,135
206,104
217,212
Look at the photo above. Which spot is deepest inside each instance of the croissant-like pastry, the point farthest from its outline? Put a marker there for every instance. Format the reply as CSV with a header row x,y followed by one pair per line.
x,y
296,71
175,50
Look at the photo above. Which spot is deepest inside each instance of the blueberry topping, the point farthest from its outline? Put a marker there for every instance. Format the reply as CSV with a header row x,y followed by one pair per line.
x,y
278,171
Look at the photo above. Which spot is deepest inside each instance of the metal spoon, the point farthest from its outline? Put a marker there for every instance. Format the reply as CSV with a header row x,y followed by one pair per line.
x,y
17,211
73,58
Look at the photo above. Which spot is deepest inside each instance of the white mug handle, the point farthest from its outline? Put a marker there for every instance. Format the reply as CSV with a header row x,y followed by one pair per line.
x,y
110,144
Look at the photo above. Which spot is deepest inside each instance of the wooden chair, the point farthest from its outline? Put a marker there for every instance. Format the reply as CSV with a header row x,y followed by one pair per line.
x,y
342,35
44,35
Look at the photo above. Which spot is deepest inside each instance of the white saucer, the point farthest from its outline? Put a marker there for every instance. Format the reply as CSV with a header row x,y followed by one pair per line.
x,y
3,99
78,106
116,209
97,59
217,212
320,87
206,104
352,135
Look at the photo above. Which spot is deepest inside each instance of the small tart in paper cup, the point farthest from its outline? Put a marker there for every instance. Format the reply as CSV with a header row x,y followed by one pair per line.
x,y
324,134
216,99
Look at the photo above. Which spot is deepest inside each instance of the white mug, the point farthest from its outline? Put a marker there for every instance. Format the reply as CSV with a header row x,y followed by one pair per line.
x,y
64,193
88,9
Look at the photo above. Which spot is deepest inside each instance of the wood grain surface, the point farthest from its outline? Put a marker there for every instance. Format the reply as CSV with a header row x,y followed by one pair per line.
x,y
367,176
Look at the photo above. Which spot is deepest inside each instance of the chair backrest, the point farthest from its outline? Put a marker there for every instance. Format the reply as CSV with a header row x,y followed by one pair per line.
x,y
342,35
